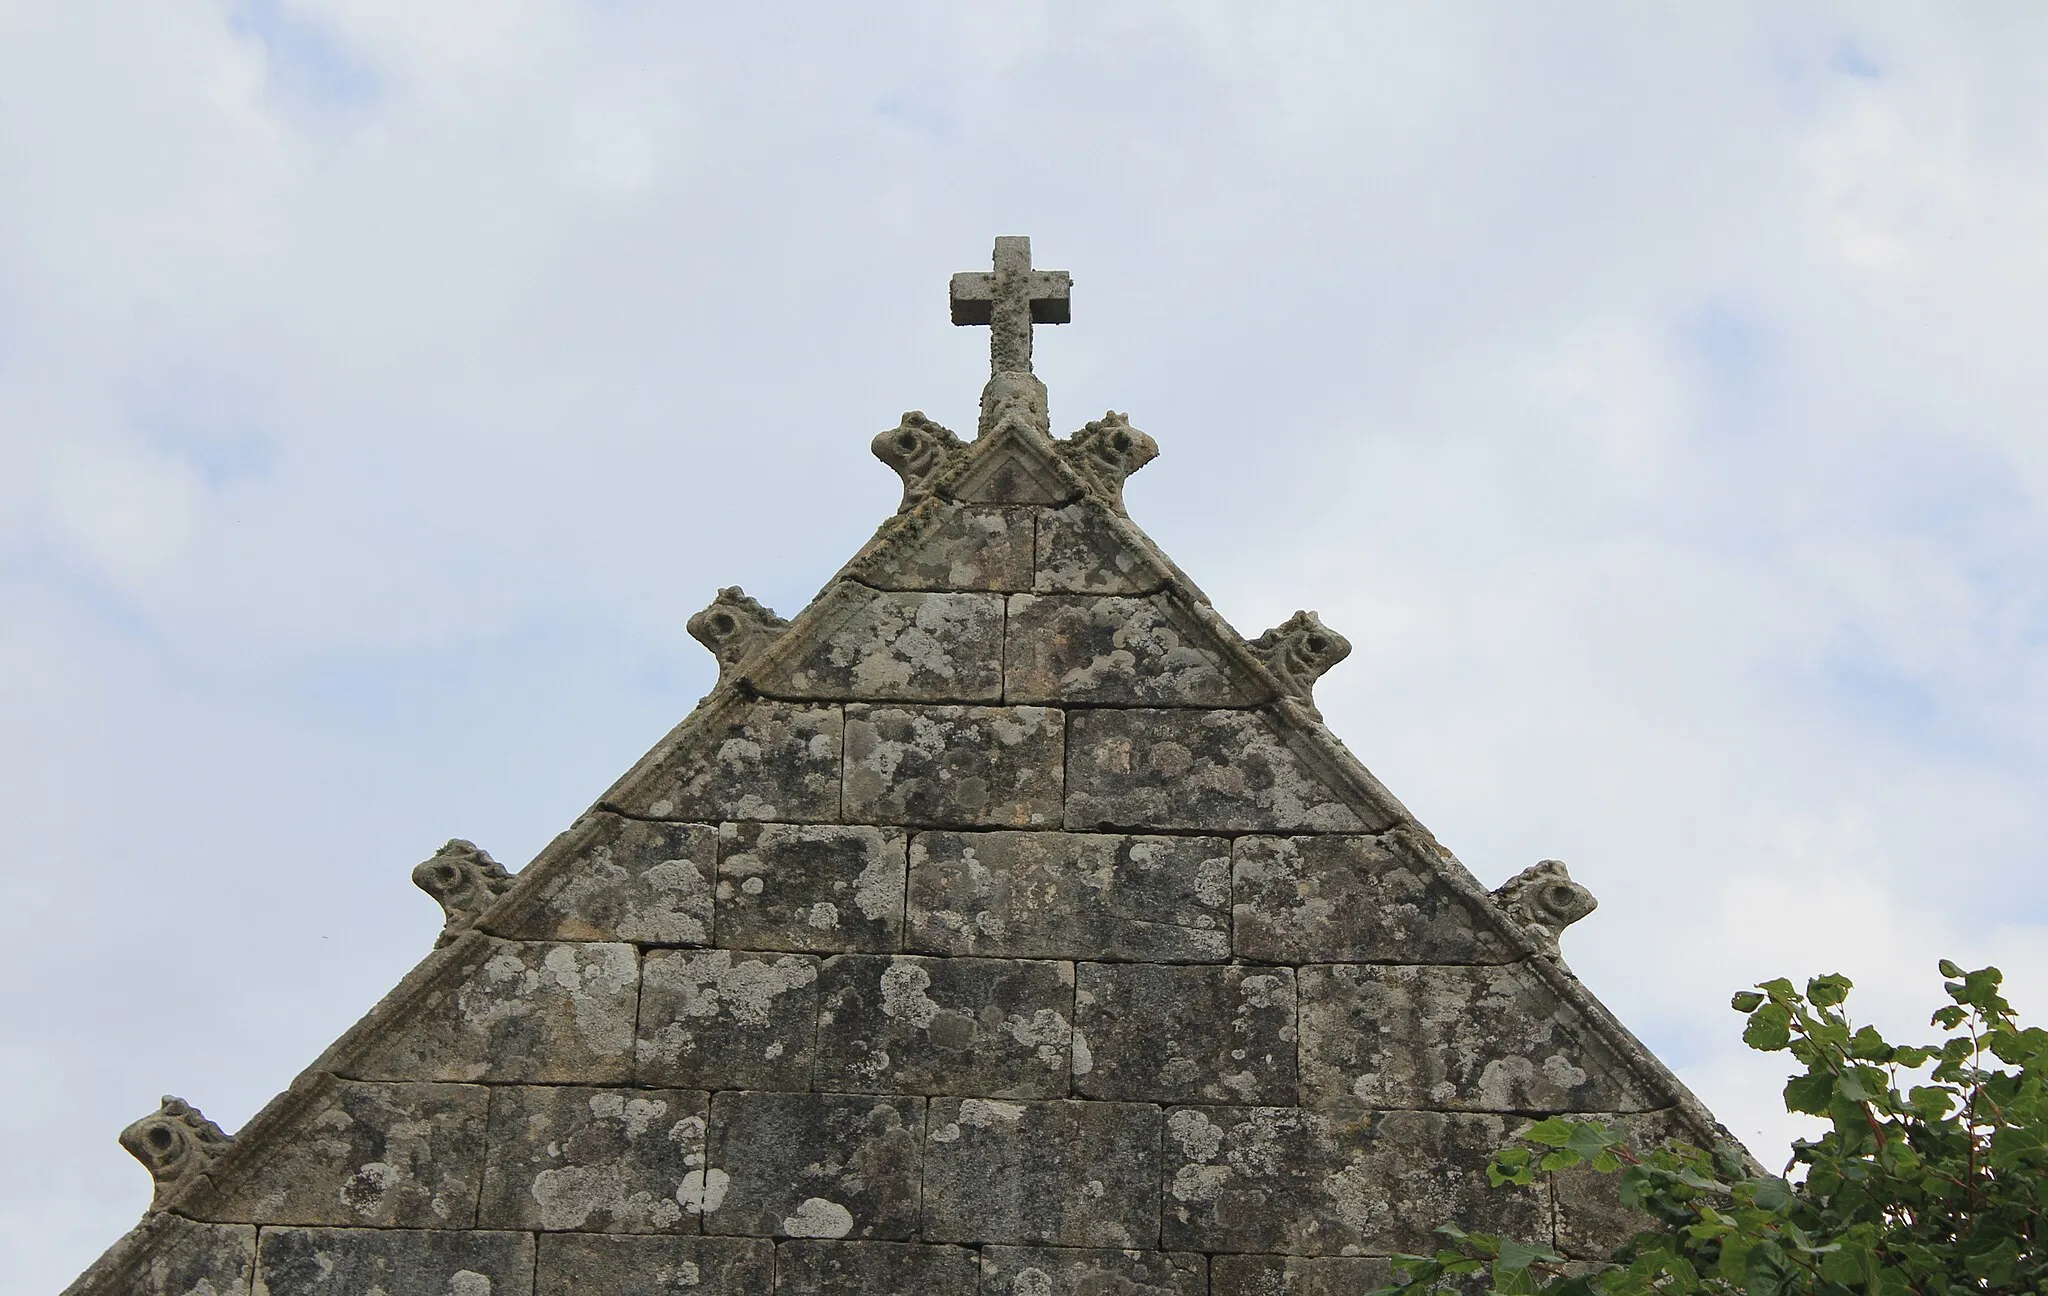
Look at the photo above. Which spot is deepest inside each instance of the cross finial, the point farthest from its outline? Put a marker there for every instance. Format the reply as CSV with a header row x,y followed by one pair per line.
x,y
1010,301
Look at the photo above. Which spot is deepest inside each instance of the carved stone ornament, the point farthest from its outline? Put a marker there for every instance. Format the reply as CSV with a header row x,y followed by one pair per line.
x,y
465,880
919,450
1014,398
1107,451
1545,900
175,1143
735,625
1300,650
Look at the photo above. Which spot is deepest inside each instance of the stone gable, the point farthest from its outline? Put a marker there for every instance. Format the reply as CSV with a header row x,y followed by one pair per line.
x,y
1004,922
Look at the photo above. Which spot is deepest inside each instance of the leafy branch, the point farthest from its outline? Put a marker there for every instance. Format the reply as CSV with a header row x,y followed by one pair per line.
x,y
1930,1178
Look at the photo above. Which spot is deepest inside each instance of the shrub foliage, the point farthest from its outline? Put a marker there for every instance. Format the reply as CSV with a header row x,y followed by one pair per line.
x,y
1930,1177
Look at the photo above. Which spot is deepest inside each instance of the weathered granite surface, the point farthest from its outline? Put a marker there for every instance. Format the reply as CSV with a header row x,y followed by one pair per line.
x,y
516,1012
941,545
1064,1173
1107,650
169,1255
814,1165
764,760
1334,1180
1212,771
1354,899
595,1264
1063,1271
994,1027
370,1155
716,1019
1070,895
1147,1032
605,1160
1276,1275
877,645
898,1268
814,888
954,766
396,1262
1499,1040
615,879
1082,550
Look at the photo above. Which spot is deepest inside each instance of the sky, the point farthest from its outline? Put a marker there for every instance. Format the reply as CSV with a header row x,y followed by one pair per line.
x,y
1653,395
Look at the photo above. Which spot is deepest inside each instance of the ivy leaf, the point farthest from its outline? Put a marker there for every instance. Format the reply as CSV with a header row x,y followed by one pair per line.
x,y
1555,1132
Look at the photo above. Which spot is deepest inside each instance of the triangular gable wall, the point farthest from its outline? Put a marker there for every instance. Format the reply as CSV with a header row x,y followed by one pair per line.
x,y
1003,922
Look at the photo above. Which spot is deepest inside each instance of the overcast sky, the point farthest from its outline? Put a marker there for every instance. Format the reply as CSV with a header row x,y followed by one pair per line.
x,y
1652,394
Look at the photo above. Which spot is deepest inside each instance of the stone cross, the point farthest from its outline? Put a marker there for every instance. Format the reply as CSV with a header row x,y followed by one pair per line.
x,y
1010,301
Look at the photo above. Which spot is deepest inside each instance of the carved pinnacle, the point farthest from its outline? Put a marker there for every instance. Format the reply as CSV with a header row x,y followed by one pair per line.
x,y
1545,900
1300,650
465,880
174,1143
733,627
1108,450
919,450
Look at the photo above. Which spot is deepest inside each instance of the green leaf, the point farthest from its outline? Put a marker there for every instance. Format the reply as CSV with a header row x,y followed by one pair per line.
x,y
1855,1085
1809,1093
1769,1029
1949,1018
1828,991
1746,1001
1866,1045
1948,969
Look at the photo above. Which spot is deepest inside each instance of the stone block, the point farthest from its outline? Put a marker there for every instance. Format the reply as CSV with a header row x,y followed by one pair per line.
x,y
1459,1038
899,1268
810,887
1082,549
616,879
990,1027
1070,895
589,1264
1333,1180
169,1255
515,1012
758,760
941,545
394,1262
875,645
1063,1271
814,1165
1355,899
370,1155
605,1160
1591,1221
716,1019
1167,1033
1216,771
954,766
1065,1173
1109,650
1277,1275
